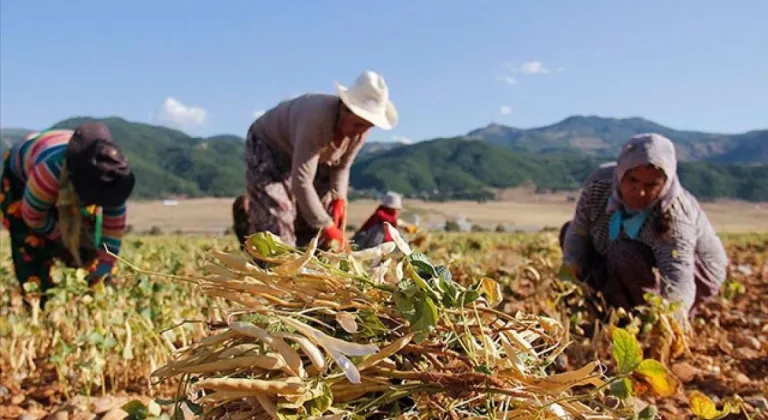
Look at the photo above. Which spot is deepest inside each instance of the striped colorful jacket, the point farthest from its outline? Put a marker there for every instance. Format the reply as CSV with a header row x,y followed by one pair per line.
x,y
37,161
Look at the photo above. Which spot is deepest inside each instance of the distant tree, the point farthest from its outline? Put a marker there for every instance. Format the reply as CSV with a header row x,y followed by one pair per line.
x,y
452,226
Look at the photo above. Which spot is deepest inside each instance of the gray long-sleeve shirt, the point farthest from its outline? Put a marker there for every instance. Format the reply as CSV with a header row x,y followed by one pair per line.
x,y
692,235
303,128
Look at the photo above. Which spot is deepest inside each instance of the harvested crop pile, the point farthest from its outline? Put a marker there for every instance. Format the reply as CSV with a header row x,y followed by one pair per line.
x,y
378,333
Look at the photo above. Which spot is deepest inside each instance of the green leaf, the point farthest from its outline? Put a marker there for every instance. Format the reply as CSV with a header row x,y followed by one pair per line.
x,y
268,244
136,410
411,273
622,389
484,370
447,287
648,413
425,317
626,351
444,274
404,304
95,338
196,409
319,405
287,414
161,401
178,413
109,342
658,377
468,296
421,262
370,325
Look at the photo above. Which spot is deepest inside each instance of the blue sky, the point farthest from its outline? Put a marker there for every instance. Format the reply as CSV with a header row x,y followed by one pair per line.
x,y
449,64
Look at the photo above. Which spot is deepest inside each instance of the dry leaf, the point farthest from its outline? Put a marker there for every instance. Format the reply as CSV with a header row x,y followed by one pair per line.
x,y
347,321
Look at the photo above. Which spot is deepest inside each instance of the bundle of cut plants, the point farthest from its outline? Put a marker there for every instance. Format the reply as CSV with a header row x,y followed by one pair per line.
x,y
379,333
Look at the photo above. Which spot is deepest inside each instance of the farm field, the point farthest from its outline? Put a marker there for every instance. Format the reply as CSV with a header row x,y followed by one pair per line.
x,y
519,210
91,352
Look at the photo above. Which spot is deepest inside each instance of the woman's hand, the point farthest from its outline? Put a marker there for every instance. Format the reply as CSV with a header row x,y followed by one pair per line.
x,y
333,236
339,212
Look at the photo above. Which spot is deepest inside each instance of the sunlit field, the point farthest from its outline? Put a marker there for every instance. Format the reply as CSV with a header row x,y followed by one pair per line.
x,y
89,344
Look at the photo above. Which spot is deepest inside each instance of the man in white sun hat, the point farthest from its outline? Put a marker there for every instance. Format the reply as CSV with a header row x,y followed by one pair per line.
x,y
298,156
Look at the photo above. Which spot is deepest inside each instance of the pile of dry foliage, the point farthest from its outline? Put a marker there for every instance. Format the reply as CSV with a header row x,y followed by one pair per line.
x,y
384,333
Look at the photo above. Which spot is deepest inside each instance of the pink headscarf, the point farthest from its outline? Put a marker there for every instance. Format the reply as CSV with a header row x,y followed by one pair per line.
x,y
641,150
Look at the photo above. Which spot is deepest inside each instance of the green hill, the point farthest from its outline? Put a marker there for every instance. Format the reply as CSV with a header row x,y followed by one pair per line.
x,y
169,163
457,167
604,137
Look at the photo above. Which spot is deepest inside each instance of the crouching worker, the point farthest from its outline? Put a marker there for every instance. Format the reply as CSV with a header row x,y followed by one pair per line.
x,y
372,233
298,156
634,220
62,197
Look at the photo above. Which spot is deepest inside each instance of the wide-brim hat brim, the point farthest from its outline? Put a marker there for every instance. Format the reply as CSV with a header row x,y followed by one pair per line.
x,y
386,118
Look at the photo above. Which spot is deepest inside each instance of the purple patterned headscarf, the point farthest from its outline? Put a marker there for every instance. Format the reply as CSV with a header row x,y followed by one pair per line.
x,y
641,150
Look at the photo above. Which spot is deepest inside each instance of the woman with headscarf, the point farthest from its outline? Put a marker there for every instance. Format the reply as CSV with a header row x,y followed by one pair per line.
x,y
298,157
634,218
62,196
372,232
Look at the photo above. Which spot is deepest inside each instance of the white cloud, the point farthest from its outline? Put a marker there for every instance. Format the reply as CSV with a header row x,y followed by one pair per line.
x,y
505,110
402,139
533,67
528,68
258,113
176,113
508,80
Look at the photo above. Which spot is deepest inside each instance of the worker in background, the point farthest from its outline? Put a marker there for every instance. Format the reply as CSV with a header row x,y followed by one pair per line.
x,y
372,233
62,197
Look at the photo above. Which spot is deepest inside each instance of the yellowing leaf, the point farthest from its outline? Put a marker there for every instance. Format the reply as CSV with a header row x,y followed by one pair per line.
x,y
704,408
662,382
626,351
492,290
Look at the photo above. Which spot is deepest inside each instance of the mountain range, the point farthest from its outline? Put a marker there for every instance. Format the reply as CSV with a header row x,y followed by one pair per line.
x,y
560,156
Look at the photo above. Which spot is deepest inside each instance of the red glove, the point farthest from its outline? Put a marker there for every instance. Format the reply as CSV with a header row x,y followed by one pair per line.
x,y
333,234
339,212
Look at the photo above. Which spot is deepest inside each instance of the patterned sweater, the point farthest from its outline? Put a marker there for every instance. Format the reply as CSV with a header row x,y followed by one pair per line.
x,y
692,239
38,162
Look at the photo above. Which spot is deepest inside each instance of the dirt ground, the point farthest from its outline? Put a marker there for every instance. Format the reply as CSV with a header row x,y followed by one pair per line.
x,y
524,212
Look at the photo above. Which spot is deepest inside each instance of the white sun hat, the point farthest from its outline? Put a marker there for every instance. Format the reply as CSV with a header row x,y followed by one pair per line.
x,y
392,200
368,98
